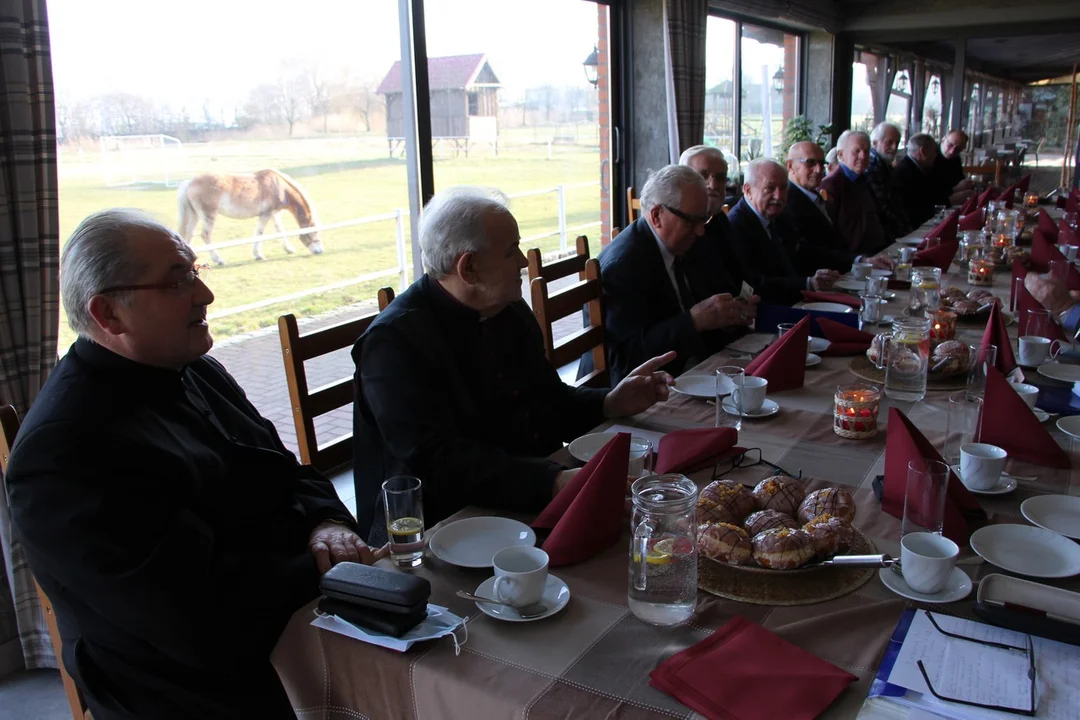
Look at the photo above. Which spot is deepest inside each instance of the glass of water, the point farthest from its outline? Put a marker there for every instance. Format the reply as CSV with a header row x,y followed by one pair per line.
x,y
924,497
982,357
729,377
404,520
641,456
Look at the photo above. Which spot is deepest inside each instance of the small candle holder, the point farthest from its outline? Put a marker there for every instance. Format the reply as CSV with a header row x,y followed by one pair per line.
x,y
1031,201
981,272
942,326
855,411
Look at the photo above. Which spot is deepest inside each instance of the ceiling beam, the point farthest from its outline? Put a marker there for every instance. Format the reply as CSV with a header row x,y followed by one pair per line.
x,y
899,15
931,32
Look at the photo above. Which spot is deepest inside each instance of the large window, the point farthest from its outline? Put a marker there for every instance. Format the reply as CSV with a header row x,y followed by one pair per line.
x,y
720,110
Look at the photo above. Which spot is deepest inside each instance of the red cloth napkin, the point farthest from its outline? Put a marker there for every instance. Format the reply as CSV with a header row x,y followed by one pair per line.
x,y
938,256
843,339
1066,236
971,221
1072,204
1008,194
1025,183
996,334
1026,302
970,206
946,229
687,451
1008,422
905,443
1047,225
744,672
835,297
586,517
987,196
1042,246
783,363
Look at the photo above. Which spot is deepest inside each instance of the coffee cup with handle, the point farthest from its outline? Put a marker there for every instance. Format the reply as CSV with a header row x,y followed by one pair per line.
x,y
520,575
1028,393
927,560
751,395
981,465
1034,350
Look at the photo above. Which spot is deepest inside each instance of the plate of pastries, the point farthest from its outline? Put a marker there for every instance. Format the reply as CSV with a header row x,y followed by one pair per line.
x,y
967,304
776,526
947,359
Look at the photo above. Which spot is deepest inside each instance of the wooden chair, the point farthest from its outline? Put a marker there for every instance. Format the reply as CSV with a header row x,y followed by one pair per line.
x,y
990,171
307,404
565,302
9,426
633,206
559,268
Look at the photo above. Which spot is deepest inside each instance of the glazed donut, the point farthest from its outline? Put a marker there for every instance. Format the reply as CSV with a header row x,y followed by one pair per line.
x,y
835,501
780,493
830,535
724,543
764,520
783,549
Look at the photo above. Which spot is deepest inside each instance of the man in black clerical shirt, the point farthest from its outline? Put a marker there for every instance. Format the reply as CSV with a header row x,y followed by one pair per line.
x,y
452,384
913,179
170,528
952,185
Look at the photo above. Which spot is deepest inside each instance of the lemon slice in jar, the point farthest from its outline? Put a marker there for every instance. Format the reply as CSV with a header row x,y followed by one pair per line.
x,y
661,553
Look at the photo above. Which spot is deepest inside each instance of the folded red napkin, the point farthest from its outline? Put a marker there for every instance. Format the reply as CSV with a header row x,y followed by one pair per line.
x,y
905,443
843,339
987,196
1047,224
1042,246
1026,302
836,297
1025,183
1066,236
996,334
687,451
586,517
783,363
1072,204
946,229
938,256
1008,422
971,221
744,672
970,206
1008,194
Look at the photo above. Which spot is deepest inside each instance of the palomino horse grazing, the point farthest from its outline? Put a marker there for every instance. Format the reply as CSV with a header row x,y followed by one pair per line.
x,y
260,195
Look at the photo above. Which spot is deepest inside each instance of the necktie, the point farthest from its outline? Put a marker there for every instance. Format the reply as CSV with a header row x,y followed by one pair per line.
x,y
821,206
685,296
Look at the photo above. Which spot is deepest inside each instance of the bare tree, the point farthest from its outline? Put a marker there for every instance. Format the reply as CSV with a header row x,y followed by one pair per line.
x,y
262,106
291,96
127,114
76,119
318,90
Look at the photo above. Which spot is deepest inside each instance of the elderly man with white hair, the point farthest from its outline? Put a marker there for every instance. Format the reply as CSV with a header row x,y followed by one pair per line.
x,y
884,143
153,500
715,246
655,299
766,241
914,178
848,199
452,384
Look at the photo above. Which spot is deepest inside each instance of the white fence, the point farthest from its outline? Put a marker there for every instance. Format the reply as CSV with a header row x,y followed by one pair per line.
x,y
401,270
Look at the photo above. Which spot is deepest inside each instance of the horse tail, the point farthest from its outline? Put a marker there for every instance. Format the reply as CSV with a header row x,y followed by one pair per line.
x,y
186,215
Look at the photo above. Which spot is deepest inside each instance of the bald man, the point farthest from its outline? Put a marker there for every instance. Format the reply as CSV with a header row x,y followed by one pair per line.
x,y
848,199
880,177
948,174
821,245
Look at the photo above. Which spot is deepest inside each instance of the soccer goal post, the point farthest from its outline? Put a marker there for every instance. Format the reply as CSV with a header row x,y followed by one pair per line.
x,y
141,160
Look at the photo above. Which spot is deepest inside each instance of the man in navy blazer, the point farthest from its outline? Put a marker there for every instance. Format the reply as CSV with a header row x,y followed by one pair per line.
x,y
766,241
821,244
849,201
915,181
714,249
654,296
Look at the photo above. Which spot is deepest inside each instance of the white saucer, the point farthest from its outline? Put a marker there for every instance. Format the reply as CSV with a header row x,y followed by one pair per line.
x,y
909,240
812,360
769,407
1004,485
1060,371
828,307
702,386
473,542
556,595
1059,513
1070,425
1027,550
879,272
1040,415
851,285
957,588
818,345
588,445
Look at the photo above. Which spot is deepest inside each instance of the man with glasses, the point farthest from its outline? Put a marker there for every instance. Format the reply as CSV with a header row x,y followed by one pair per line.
x,y
655,300
172,531
766,241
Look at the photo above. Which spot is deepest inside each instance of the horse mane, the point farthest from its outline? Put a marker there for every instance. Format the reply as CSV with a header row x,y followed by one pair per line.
x,y
304,202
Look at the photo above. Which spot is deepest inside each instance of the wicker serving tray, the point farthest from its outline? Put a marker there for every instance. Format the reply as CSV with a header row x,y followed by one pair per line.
x,y
862,367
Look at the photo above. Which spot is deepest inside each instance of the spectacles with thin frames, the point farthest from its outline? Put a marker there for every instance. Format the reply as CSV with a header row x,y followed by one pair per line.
x,y
183,284
1029,651
810,162
749,458
692,219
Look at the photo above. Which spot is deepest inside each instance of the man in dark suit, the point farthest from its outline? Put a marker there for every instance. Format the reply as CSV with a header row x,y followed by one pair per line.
x,y
884,141
654,300
170,528
452,384
850,204
914,181
953,186
820,244
766,241
714,249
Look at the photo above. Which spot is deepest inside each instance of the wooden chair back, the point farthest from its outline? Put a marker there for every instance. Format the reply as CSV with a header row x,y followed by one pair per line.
x,y
9,426
551,308
306,403
559,268
633,206
990,171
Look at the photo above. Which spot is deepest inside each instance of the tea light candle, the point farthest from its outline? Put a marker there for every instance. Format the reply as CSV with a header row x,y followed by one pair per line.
x,y
1031,201
942,326
855,411
981,272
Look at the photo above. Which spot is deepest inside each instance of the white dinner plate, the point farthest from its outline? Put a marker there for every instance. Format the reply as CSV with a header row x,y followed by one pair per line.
x,y
556,595
827,307
956,588
588,445
1059,513
769,407
909,240
702,386
1070,425
473,542
876,272
812,360
1032,551
853,285
1060,371
819,345
1004,484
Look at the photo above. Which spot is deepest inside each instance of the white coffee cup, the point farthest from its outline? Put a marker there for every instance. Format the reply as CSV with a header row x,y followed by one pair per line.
x,y
927,560
520,575
752,394
1028,393
981,465
861,271
1033,350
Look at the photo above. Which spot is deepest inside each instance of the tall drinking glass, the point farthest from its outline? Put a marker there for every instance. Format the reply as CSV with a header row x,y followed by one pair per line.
x,y
641,456
1037,322
728,378
404,520
962,425
982,357
924,497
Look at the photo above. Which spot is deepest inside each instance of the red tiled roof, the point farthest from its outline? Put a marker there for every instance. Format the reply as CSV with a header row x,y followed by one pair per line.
x,y
444,73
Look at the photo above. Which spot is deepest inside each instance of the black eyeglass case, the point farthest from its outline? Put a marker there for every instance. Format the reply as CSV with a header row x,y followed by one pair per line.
x,y
1030,608
387,623
367,586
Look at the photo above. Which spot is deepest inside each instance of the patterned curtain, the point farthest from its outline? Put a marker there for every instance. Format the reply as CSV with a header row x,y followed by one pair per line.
x,y
29,283
686,83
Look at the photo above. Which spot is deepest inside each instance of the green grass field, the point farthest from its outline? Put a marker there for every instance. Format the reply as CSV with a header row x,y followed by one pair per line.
x,y
345,178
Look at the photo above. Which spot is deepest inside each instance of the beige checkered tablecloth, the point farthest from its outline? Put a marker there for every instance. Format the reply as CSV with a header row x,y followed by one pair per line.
x,y
593,659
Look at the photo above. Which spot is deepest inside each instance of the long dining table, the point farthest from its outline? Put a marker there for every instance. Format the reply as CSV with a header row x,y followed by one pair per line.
x,y
593,658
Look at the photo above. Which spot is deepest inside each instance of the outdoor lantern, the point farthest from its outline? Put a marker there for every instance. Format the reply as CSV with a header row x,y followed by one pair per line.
x,y
778,80
591,65
934,85
901,82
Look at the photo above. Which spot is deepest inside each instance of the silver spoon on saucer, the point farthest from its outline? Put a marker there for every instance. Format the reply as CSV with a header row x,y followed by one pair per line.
x,y
527,612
